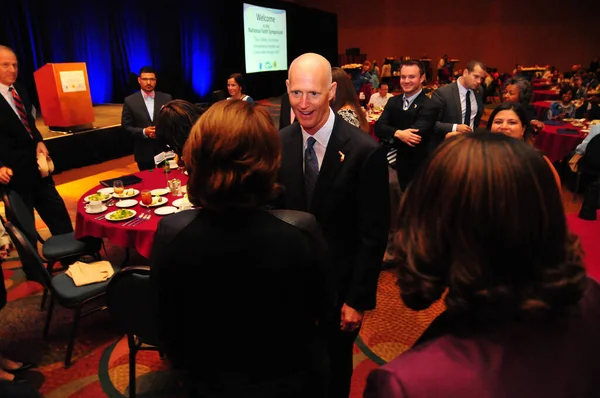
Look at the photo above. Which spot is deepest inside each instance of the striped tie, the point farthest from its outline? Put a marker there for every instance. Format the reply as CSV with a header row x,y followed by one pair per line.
x,y
20,110
311,169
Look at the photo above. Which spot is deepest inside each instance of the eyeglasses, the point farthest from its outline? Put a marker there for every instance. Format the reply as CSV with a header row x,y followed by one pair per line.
x,y
147,79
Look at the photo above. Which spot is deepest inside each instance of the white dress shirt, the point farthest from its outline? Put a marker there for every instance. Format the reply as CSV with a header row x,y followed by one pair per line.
x,y
321,137
462,93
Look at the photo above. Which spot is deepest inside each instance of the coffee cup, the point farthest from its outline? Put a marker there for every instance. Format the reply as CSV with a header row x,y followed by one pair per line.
x,y
185,205
95,205
173,164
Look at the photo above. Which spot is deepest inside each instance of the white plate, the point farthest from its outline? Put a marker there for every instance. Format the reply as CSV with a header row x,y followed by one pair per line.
x,y
127,193
90,211
163,211
585,130
160,191
161,202
106,191
126,203
101,197
108,215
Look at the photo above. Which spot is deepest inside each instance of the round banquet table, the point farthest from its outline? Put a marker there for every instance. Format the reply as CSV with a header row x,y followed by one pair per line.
x,y
557,146
139,236
545,95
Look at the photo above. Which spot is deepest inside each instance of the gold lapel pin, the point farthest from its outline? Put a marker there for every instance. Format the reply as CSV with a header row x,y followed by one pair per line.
x,y
342,156
415,106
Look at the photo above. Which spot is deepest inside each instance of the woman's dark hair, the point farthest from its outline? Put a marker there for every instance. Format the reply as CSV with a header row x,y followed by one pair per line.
x,y
498,241
233,156
174,123
521,112
566,89
525,89
239,79
345,94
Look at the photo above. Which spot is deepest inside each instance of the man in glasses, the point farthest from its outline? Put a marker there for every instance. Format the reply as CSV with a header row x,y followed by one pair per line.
x,y
139,113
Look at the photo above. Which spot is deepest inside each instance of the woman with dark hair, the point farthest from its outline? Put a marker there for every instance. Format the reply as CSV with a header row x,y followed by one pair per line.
x,y
174,123
520,310
261,275
236,86
345,102
520,90
510,118
565,108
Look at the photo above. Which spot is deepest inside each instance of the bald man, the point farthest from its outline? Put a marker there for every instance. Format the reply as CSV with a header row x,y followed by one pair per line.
x,y
20,145
340,174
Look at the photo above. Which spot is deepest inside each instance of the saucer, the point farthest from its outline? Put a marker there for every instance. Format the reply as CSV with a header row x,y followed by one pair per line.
x,y
163,211
160,191
126,203
90,211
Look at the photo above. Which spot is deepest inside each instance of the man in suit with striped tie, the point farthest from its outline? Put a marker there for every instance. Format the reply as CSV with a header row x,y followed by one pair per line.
x,y
20,145
405,125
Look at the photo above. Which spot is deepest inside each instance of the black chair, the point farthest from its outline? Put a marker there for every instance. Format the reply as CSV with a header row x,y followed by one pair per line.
x,y
61,287
63,247
132,302
589,167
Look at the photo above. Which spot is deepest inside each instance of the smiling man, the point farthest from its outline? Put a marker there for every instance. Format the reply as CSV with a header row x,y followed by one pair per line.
x,y
338,173
459,105
139,113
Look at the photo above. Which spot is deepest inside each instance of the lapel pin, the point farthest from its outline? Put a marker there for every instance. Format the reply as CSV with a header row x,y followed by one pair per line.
x,y
415,106
342,156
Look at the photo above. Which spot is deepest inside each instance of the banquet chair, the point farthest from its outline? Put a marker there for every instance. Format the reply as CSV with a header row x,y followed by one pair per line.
x,y
131,301
62,247
61,287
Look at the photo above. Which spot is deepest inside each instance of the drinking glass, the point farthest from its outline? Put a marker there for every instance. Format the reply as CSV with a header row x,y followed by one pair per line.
x,y
118,187
146,197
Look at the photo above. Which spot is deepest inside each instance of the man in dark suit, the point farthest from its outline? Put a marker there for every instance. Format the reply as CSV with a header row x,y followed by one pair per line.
x,y
406,123
338,173
20,146
139,113
405,126
458,106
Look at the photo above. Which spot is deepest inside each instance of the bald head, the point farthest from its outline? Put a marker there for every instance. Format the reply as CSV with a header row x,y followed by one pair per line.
x,y
310,89
311,62
9,67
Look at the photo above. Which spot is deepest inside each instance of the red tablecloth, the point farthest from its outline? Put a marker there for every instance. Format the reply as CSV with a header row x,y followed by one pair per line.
x,y
541,109
541,85
140,236
557,146
541,95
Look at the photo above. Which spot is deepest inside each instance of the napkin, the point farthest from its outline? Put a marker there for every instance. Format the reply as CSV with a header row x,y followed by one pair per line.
x,y
45,165
567,131
87,273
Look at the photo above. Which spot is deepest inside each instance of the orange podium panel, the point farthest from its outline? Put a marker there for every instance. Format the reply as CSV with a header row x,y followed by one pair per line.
x,y
64,93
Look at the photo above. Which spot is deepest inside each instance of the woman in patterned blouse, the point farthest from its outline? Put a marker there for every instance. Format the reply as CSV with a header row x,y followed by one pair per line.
x,y
345,102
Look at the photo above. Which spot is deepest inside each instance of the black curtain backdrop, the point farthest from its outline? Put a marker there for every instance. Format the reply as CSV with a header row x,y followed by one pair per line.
x,y
193,45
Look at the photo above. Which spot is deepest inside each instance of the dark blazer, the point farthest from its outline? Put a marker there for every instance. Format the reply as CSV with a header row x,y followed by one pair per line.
x,y
350,202
446,103
135,118
408,159
17,149
265,275
553,359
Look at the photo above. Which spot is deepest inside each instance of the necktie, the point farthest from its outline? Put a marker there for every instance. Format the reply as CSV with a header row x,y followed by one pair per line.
x,y
311,169
405,107
468,109
20,109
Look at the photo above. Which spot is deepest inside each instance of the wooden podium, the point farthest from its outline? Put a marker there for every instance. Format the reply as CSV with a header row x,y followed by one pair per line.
x,y
64,93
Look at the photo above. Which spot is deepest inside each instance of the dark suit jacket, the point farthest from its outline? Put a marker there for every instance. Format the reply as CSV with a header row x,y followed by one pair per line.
x,y
265,275
553,359
350,202
135,118
395,118
446,104
17,149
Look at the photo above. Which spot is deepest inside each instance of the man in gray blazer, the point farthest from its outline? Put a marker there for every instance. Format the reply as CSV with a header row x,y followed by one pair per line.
x,y
459,105
140,110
